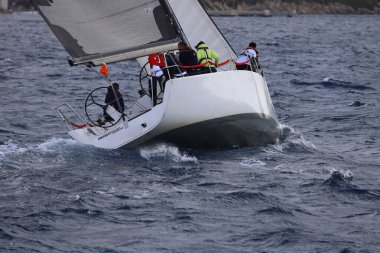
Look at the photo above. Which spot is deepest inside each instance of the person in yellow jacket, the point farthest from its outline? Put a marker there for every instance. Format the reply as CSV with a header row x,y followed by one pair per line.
x,y
206,55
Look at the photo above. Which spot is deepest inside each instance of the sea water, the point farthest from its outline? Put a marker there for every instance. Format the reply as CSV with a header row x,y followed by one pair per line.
x,y
316,191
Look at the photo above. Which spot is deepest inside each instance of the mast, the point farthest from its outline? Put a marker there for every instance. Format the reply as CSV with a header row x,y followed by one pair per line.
x,y
166,4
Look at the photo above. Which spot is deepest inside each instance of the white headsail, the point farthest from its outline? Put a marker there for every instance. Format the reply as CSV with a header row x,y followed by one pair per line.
x,y
196,25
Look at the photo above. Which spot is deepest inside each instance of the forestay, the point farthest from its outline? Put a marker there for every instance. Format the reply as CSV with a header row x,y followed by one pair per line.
x,y
96,31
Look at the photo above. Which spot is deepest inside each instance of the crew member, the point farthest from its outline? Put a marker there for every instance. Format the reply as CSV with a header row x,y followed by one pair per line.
x,y
247,59
205,56
114,98
188,57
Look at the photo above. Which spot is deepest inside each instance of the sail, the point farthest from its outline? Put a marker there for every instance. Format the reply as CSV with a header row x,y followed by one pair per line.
x,y
96,31
197,26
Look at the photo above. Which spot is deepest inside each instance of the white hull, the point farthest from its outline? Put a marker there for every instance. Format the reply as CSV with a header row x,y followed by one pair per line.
x,y
230,108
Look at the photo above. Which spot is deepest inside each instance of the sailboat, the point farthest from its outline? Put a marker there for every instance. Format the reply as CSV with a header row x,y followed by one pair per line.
x,y
227,108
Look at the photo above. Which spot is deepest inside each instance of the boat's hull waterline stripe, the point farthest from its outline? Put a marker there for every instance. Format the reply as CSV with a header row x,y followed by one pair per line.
x,y
244,130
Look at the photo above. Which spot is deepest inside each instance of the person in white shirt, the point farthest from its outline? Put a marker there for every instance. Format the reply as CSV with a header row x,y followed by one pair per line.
x,y
157,83
156,71
247,59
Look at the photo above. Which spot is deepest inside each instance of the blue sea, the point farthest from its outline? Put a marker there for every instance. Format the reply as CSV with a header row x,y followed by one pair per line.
x,y
318,190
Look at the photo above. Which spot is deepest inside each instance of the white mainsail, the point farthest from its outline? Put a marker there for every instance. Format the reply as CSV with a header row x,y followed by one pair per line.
x,y
96,31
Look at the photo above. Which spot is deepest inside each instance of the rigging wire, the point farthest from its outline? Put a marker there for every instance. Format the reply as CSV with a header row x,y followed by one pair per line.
x,y
229,26
227,47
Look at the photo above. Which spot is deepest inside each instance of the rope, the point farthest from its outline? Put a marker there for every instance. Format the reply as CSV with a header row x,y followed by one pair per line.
x,y
220,64
203,64
80,126
241,63
193,66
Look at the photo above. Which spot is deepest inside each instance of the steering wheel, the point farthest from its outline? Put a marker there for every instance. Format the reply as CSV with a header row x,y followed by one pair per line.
x,y
146,87
144,75
95,109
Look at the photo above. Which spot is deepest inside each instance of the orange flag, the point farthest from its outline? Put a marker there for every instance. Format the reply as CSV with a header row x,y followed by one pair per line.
x,y
104,69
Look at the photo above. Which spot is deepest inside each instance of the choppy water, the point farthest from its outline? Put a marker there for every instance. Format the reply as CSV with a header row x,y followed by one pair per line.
x,y
317,191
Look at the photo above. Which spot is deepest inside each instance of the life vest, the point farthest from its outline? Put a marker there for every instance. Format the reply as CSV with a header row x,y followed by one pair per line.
x,y
204,55
157,59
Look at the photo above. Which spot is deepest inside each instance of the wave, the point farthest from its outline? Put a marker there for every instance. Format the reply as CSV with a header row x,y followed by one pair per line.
x,y
22,126
338,118
13,152
217,186
3,131
42,189
291,141
338,178
340,181
4,78
276,211
363,214
82,211
246,196
46,215
357,104
252,163
7,60
278,236
5,236
274,43
11,148
332,84
55,144
166,151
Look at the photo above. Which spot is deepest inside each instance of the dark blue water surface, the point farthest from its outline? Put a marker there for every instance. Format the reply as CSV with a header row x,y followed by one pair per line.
x,y
316,191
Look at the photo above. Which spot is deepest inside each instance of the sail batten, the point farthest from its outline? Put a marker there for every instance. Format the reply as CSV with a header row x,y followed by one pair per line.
x,y
94,31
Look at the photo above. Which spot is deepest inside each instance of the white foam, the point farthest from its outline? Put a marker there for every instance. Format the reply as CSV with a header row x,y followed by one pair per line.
x,y
11,147
326,79
347,174
54,143
274,149
280,167
252,163
303,142
142,195
296,138
166,151
74,198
